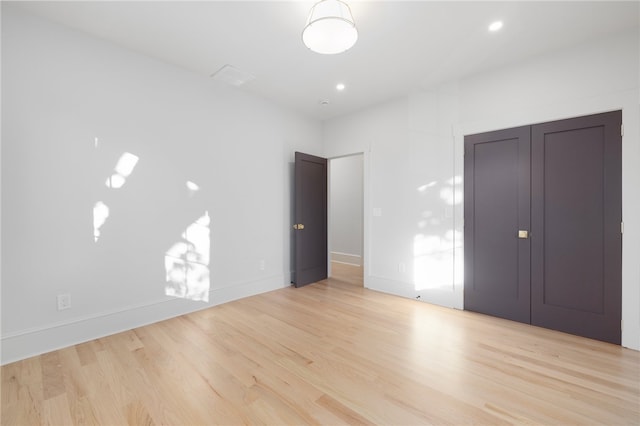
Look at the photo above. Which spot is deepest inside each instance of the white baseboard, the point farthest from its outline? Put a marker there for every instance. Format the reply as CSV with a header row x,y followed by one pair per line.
x,y
27,343
390,286
442,297
352,259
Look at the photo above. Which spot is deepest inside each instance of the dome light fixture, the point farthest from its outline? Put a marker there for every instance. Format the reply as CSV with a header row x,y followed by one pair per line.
x,y
330,28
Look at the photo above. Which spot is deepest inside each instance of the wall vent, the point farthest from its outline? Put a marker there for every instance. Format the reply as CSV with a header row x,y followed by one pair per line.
x,y
232,76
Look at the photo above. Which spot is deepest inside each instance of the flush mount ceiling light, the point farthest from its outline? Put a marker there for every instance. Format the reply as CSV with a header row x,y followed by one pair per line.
x,y
330,28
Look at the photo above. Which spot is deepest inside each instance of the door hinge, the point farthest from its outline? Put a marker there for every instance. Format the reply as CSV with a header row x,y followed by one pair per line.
x,y
621,325
621,129
622,227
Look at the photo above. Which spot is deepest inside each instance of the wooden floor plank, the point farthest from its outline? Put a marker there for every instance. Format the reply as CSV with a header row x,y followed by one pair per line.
x,y
328,353
347,272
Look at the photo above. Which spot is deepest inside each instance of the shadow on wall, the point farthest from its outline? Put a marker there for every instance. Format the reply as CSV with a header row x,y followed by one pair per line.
x,y
433,261
186,262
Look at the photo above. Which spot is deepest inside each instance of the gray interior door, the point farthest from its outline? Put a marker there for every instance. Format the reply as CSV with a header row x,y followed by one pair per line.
x,y
543,211
497,206
576,241
310,219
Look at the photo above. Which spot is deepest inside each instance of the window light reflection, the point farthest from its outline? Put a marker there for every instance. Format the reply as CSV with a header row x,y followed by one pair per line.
x,y
436,266
192,187
126,164
100,215
124,167
432,263
187,262
423,188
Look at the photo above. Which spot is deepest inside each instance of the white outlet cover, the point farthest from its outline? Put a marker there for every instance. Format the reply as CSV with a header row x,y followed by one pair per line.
x,y
64,301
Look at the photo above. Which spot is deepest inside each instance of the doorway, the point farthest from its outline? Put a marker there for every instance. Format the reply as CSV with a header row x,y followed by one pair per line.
x,y
543,212
346,219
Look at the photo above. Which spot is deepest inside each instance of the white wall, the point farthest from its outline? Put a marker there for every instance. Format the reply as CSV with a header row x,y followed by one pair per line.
x,y
414,164
345,208
71,106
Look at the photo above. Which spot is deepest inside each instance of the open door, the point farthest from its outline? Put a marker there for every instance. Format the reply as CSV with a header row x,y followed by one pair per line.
x,y
310,227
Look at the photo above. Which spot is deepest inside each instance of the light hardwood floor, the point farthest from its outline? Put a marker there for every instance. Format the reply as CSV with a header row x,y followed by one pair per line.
x,y
348,273
330,354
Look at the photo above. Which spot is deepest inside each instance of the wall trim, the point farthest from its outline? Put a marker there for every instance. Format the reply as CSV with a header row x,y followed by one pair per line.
x,y
352,259
446,297
38,340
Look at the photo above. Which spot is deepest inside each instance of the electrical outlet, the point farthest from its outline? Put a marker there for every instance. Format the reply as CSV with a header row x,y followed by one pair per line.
x,y
64,301
262,265
401,268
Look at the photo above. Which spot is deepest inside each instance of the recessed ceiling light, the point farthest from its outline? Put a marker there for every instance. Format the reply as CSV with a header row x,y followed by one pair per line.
x,y
340,87
495,26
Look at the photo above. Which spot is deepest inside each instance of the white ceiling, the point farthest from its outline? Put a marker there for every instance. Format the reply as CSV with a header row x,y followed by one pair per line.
x,y
401,46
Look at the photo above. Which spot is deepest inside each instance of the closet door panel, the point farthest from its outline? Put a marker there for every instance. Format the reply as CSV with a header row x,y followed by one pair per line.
x,y
576,215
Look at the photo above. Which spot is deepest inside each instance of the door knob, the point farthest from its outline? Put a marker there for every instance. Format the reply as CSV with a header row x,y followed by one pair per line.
x,y
298,226
523,234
